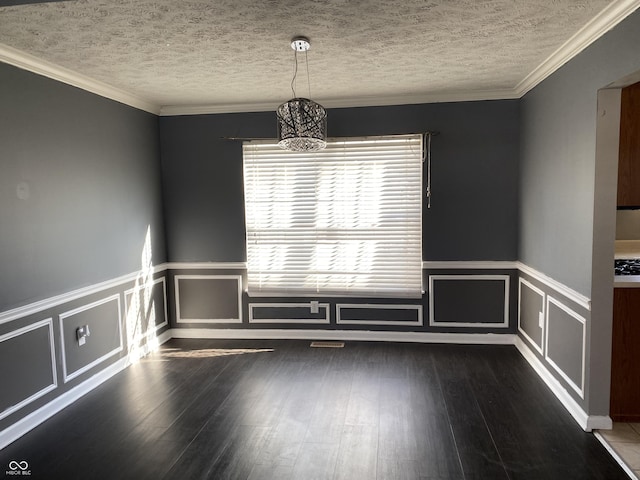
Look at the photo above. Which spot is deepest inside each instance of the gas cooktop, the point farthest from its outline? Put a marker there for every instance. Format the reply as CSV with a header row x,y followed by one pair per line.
x,y
627,266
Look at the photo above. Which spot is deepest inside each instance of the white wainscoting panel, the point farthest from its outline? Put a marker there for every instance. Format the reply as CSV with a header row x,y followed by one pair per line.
x,y
67,376
538,345
48,323
326,319
128,297
579,388
179,310
364,306
504,323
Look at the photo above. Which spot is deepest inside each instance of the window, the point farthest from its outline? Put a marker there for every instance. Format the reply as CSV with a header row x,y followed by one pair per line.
x,y
344,221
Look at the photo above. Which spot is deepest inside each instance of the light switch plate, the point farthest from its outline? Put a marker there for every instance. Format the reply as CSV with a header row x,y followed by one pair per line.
x,y
314,306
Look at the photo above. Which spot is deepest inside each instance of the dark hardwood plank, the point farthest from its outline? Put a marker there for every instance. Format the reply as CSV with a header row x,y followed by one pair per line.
x,y
477,450
358,453
279,409
317,461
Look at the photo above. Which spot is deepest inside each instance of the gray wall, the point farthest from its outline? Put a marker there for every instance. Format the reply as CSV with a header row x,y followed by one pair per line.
x,y
88,174
567,190
79,189
557,173
475,171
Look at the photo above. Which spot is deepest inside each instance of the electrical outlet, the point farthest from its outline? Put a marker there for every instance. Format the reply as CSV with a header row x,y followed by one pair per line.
x,y
541,319
314,306
82,333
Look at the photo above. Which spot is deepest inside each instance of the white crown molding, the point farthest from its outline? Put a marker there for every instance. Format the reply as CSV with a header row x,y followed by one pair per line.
x,y
608,18
34,64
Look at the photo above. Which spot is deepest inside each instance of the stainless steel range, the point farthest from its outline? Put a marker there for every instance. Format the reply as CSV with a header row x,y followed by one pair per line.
x,y
627,266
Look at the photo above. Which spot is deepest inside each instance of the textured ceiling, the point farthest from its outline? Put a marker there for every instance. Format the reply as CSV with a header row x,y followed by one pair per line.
x,y
236,52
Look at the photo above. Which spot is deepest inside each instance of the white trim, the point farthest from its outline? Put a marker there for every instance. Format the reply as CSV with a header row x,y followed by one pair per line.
x,y
70,376
54,376
632,475
206,265
151,345
535,289
51,302
434,323
470,265
346,335
556,387
32,420
600,422
325,320
608,18
179,319
579,389
562,289
24,425
36,65
140,287
626,281
340,321
166,307
331,296
164,337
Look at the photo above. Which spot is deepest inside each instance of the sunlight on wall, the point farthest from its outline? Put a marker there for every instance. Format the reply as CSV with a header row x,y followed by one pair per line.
x,y
141,311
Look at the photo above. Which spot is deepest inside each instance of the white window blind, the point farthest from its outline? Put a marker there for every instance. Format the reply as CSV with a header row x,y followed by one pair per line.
x,y
344,221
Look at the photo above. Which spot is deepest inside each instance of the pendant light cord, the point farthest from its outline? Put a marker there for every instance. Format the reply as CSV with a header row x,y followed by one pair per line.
x,y
306,61
295,73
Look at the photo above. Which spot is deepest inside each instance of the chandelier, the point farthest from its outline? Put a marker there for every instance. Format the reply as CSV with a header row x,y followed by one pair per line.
x,y
302,123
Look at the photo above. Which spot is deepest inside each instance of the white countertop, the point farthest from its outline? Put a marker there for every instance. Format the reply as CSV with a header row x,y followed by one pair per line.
x,y
626,281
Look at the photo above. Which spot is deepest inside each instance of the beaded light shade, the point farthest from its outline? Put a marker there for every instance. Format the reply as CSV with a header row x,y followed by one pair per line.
x,y
302,123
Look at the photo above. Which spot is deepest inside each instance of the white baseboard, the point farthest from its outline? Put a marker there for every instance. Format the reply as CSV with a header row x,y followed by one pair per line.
x,y
599,422
25,424
587,422
348,335
37,417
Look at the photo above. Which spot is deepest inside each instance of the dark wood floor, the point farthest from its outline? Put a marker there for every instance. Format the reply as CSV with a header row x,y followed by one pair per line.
x,y
283,410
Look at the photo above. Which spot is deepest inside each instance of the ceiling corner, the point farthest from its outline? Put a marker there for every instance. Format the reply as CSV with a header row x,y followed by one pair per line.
x,y
36,65
607,19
